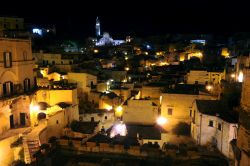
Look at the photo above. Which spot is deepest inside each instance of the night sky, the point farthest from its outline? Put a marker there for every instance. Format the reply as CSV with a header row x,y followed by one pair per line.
x,y
143,18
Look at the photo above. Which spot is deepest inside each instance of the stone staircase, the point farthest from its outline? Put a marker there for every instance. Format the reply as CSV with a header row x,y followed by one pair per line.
x,y
31,146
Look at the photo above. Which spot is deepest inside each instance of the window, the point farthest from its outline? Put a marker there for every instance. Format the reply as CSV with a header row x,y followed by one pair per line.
x,y
62,62
92,119
219,126
57,122
26,85
241,66
53,63
193,119
7,88
211,123
106,118
196,82
7,59
190,113
35,82
25,56
170,111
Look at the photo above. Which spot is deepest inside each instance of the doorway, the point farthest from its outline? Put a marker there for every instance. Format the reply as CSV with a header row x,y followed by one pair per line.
x,y
12,121
22,119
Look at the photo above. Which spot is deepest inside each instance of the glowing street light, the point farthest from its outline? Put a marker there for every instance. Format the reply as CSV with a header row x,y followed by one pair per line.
x,y
240,77
161,120
35,108
118,111
127,68
109,108
233,75
118,128
209,87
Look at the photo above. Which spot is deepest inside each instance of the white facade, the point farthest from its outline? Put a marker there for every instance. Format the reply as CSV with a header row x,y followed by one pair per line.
x,y
212,130
204,77
105,118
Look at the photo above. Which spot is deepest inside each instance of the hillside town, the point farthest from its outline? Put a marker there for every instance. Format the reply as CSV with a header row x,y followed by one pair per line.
x,y
158,100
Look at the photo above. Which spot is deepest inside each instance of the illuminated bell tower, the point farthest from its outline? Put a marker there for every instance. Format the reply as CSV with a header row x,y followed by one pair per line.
x,y
97,28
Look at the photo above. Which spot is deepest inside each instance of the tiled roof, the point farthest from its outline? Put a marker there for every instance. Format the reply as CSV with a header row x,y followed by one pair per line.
x,y
145,131
85,127
216,108
63,105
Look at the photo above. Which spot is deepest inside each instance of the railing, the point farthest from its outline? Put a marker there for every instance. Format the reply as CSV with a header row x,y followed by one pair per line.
x,y
18,93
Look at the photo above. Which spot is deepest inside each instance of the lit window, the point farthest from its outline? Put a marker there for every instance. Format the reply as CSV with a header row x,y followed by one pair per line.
x,y
211,123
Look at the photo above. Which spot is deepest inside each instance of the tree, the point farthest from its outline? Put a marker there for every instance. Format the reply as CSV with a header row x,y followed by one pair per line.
x,y
182,128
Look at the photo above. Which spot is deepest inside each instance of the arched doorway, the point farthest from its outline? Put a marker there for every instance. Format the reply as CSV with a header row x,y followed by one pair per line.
x,y
41,116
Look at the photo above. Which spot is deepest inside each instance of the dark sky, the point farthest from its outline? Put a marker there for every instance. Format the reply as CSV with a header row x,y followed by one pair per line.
x,y
142,18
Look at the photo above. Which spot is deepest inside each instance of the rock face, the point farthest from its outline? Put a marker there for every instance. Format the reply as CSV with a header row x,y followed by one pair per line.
x,y
243,142
245,101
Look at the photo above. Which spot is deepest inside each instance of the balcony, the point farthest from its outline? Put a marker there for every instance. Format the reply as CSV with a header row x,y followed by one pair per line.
x,y
17,93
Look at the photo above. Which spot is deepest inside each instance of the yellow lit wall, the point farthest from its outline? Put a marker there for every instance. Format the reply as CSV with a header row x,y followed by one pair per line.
x,y
149,91
181,105
203,76
22,63
7,154
195,54
83,81
53,97
140,111
225,52
55,76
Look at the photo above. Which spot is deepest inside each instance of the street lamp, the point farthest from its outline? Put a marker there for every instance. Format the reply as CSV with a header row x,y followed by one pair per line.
x,y
109,107
118,111
34,108
209,87
240,77
161,121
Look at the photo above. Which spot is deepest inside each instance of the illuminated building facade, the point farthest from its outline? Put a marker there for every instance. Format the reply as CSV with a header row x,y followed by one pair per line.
x,y
213,125
244,127
16,82
106,39
11,23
